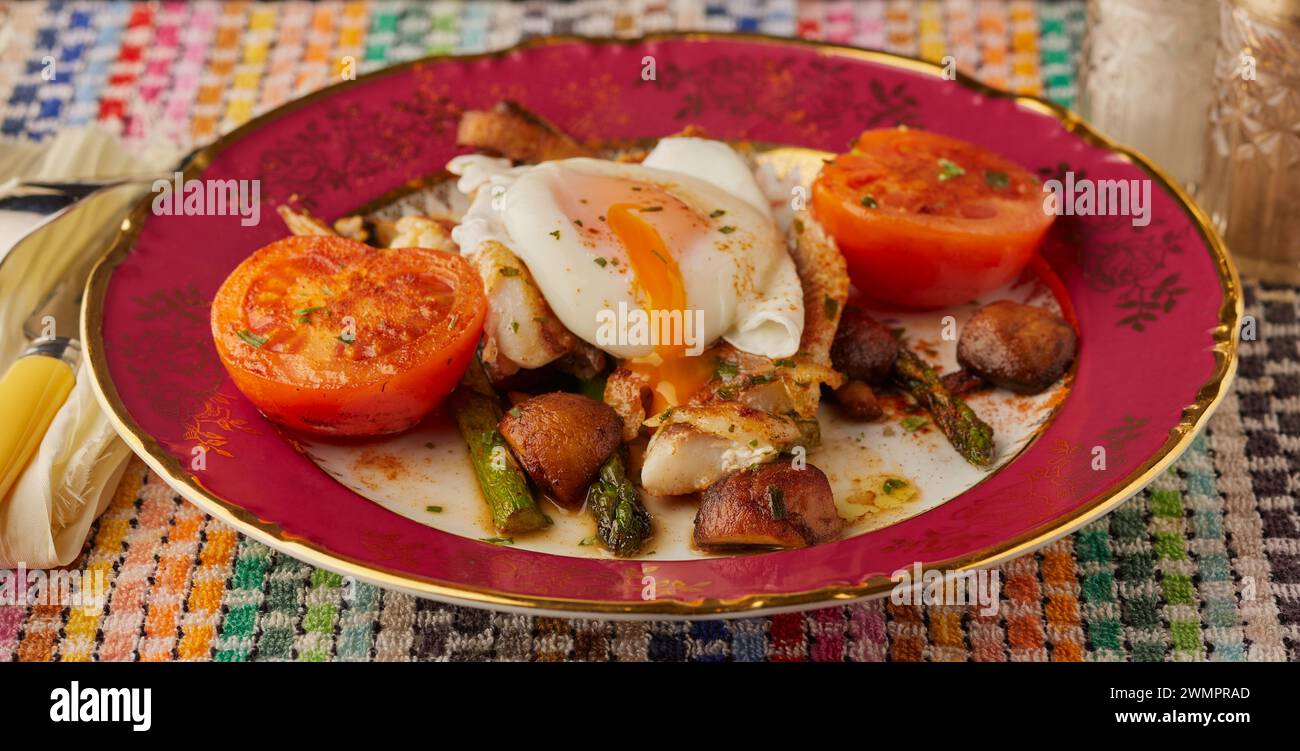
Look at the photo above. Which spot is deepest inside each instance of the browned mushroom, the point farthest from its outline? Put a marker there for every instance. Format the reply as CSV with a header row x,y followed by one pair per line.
x,y
1018,347
864,349
858,401
961,381
772,505
561,440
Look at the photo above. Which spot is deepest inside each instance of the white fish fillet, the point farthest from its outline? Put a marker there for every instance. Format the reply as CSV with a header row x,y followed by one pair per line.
x,y
520,330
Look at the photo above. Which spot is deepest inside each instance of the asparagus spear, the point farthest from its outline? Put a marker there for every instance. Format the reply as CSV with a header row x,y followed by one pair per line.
x,y
971,436
503,482
621,521
592,388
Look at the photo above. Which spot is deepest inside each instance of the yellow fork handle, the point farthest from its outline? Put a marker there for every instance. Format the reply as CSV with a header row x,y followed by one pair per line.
x,y
31,393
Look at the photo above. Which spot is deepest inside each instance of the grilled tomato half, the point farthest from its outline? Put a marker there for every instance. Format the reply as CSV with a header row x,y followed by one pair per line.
x,y
927,221
334,337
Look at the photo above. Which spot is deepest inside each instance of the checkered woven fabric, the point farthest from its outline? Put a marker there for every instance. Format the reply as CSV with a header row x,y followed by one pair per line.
x,y
1203,565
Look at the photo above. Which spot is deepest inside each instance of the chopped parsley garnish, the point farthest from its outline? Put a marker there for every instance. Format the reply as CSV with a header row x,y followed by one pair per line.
x,y
948,170
913,423
995,179
832,307
555,234
716,213
753,443
784,363
577,222
251,338
798,226
652,208
893,484
726,392
433,509
514,412
514,326
601,262
870,201
776,499
727,369
498,540
509,271
587,541
727,230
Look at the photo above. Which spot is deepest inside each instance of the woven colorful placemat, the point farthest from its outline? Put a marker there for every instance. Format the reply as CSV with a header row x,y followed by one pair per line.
x,y
1201,566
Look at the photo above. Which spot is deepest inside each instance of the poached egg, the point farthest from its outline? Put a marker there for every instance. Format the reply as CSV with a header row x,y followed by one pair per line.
x,y
651,262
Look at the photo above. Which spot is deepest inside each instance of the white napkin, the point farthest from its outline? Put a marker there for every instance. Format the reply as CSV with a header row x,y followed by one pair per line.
x,y
47,515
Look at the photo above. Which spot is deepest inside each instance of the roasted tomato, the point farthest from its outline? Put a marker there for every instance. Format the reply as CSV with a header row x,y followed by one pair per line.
x,y
926,221
331,336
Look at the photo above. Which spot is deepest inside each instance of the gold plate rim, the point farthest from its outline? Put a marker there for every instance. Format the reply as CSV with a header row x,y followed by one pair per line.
x,y
1193,418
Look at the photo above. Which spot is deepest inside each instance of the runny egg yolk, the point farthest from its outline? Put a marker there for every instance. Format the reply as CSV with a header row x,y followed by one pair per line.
x,y
674,376
654,268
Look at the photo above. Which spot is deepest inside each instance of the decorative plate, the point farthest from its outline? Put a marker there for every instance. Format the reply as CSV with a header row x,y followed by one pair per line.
x,y
1157,307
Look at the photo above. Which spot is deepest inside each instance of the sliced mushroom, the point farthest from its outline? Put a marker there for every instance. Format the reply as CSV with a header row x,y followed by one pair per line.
x,y
773,505
859,401
962,381
561,440
864,349
1018,347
